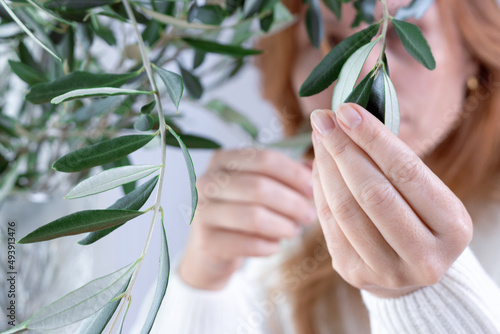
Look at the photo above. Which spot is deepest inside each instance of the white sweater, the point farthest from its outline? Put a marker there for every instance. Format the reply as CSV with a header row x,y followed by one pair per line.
x,y
466,300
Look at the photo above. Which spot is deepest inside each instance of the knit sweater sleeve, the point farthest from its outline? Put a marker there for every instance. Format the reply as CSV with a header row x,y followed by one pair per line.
x,y
465,300
188,310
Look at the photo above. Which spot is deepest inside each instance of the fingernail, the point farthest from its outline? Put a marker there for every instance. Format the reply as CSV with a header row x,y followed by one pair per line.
x,y
349,116
322,122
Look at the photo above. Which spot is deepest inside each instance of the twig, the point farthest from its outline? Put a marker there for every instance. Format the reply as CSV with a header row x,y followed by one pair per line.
x,y
163,127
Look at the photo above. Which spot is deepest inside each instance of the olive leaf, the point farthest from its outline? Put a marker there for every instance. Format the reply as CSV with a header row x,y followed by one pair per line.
x,y
207,14
350,73
173,82
376,102
334,6
192,83
392,113
329,68
110,179
230,115
26,73
192,141
96,92
144,122
97,322
28,31
162,282
82,302
101,153
415,43
314,23
191,172
132,201
80,222
44,92
361,93
199,57
148,107
214,47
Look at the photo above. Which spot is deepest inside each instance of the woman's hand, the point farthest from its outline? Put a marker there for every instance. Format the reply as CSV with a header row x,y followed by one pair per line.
x,y
248,200
391,225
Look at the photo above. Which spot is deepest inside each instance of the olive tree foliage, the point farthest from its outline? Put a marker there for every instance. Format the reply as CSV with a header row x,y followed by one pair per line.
x,y
86,117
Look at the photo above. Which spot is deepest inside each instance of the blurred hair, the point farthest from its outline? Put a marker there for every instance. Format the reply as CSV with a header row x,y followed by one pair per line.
x,y
467,160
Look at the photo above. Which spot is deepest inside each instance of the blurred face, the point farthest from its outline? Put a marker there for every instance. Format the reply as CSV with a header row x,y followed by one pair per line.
x,y
430,101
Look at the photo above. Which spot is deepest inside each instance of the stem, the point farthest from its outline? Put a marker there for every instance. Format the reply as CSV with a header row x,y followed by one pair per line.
x,y
163,126
385,24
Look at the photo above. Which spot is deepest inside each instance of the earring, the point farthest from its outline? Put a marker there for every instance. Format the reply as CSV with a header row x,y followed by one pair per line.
x,y
325,46
472,83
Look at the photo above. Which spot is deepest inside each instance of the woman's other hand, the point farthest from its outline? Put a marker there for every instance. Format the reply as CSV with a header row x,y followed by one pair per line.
x,y
391,225
249,199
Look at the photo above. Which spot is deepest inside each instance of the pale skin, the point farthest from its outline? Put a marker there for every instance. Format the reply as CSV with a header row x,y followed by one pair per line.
x,y
391,225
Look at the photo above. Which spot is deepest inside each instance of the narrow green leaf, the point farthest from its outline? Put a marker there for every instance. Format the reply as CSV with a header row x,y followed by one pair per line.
x,y
192,141
376,103
80,222
110,179
252,7
162,282
27,31
101,153
229,115
329,68
102,31
199,57
132,201
96,92
50,13
177,22
267,21
98,321
173,82
392,114
361,93
350,73
44,92
26,73
191,172
334,6
81,303
214,47
77,5
415,43
416,9
9,178
192,83
314,23
8,125
148,108
364,12
300,141
144,123
207,14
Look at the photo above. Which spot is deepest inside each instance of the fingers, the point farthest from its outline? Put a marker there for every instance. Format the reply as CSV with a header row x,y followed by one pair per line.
x,y
223,243
421,188
254,188
352,220
253,219
389,212
266,162
341,250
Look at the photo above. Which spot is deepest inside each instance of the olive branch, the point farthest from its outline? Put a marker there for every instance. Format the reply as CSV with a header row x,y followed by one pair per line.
x,y
169,30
